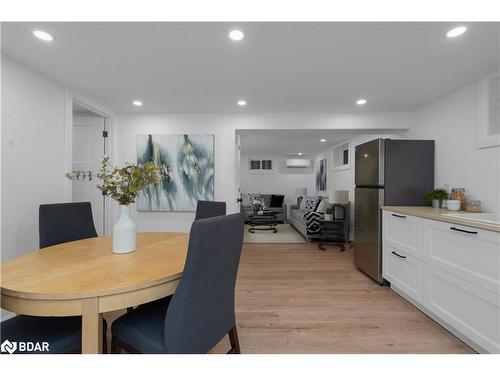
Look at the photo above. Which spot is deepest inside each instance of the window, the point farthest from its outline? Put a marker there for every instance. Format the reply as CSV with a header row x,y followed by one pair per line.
x,y
341,156
261,165
488,111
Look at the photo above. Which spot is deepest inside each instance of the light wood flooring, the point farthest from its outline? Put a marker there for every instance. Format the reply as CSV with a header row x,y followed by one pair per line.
x,y
294,298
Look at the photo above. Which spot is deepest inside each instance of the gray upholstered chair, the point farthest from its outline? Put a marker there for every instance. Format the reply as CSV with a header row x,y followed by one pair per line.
x,y
65,222
201,312
206,209
58,223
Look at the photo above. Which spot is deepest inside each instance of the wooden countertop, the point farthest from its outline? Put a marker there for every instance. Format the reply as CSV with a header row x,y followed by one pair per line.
x,y
437,214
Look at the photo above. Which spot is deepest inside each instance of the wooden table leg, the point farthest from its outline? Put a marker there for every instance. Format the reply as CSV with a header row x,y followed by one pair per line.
x,y
91,327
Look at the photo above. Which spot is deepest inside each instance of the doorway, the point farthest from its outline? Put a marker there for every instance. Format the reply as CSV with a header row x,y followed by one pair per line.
x,y
90,144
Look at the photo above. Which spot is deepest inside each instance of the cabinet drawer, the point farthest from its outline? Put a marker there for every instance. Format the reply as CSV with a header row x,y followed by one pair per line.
x,y
469,253
402,232
472,310
403,271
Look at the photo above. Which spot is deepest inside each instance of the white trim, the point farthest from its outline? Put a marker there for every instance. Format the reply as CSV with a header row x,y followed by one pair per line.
x,y
74,96
10,315
483,138
346,145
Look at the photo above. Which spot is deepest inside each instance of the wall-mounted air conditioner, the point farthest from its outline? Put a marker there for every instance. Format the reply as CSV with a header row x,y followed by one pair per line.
x,y
298,163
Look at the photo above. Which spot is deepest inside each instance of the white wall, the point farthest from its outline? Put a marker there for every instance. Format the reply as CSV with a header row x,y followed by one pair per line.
x,y
32,153
281,181
224,127
451,122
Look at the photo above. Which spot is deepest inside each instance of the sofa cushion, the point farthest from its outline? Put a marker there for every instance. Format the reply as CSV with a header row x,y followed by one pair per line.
x,y
322,206
248,198
310,203
276,200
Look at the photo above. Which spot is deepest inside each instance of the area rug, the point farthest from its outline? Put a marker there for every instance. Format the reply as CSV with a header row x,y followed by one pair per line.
x,y
286,234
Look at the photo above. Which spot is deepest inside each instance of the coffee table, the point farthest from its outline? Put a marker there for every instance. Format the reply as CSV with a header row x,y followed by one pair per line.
x,y
265,221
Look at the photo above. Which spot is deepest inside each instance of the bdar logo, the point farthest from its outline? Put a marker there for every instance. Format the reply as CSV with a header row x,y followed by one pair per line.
x,y
8,346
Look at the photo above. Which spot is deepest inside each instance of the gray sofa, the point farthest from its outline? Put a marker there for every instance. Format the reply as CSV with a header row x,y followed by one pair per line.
x,y
280,211
297,220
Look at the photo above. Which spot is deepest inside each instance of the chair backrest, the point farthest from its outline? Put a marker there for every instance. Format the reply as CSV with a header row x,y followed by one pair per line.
x,y
201,311
207,209
64,222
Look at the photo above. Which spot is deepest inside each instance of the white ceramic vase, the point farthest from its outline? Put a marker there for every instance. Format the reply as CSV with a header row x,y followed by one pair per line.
x,y
124,232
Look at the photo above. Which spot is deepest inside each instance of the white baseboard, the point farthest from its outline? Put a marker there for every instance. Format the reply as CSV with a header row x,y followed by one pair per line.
x,y
7,316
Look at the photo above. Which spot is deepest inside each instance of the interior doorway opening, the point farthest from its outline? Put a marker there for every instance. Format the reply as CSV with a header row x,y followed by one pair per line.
x,y
90,144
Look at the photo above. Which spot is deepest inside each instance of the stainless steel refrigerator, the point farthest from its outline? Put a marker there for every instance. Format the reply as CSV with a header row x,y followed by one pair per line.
x,y
389,172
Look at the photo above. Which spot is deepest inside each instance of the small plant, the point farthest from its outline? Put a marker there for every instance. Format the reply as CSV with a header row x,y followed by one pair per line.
x,y
124,184
329,211
436,194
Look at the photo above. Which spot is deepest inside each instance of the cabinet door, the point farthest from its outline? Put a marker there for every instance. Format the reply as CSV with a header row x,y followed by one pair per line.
x,y
404,272
471,310
403,232
469,253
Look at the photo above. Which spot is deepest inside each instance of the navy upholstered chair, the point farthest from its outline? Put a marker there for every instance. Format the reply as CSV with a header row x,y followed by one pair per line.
x,y
206,209
201,312
59,223
65,222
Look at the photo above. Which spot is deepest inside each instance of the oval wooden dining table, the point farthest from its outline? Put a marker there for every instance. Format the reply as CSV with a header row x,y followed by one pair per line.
x,y
85,278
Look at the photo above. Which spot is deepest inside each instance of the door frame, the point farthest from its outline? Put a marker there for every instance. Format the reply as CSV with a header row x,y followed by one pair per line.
x,y
70,97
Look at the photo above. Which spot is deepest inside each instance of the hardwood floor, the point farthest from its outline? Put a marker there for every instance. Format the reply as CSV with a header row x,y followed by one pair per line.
x,y
294,298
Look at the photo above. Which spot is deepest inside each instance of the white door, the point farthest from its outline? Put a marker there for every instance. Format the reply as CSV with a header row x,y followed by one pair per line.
x,y
89,147
238,164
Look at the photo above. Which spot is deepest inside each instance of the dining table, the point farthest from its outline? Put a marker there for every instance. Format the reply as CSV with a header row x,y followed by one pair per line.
x,y
85,278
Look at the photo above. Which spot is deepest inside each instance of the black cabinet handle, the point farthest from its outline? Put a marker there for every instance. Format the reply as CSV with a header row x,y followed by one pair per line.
x,y
400,216
463,230
399,255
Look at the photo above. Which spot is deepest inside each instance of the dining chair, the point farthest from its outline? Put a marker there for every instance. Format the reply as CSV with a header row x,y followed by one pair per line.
x,y
65,222
201,312
58,223
207,209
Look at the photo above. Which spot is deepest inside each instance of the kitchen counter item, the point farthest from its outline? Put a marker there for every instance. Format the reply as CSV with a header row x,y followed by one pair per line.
x,y
473,206
474,220
458,194
453,205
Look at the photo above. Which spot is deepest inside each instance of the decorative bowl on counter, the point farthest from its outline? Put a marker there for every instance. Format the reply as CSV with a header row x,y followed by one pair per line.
x,y
453,205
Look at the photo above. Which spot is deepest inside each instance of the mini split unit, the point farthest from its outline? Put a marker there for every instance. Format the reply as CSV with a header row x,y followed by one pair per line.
x,y
298,163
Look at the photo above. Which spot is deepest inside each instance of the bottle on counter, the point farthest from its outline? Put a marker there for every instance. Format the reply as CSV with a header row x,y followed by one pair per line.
x,y
458,194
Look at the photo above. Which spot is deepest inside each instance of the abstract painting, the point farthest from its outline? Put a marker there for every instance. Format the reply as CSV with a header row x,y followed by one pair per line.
x,y
321,175
187,165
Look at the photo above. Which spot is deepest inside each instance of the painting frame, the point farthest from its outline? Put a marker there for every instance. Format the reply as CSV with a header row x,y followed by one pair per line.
x,y
186,162
321,175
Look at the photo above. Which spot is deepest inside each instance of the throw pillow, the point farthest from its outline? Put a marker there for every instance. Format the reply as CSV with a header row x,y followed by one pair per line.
x,y
322,206
311,203
248,198
277,200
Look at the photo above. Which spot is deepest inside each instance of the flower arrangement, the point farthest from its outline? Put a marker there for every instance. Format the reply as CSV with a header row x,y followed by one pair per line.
x,y
124,184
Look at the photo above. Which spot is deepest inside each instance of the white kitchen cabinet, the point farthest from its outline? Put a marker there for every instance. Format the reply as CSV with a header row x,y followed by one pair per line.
x,y
449,271
404,272
470,253
403,232
470,309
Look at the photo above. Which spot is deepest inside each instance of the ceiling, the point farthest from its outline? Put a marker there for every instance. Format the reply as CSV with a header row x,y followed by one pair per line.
x,y
277,67
291,142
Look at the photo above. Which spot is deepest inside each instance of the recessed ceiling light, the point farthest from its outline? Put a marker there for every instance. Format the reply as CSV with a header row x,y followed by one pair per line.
x,y
300,154
137,103
242,103
323,140
42,35
457,31
361,101
236,35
